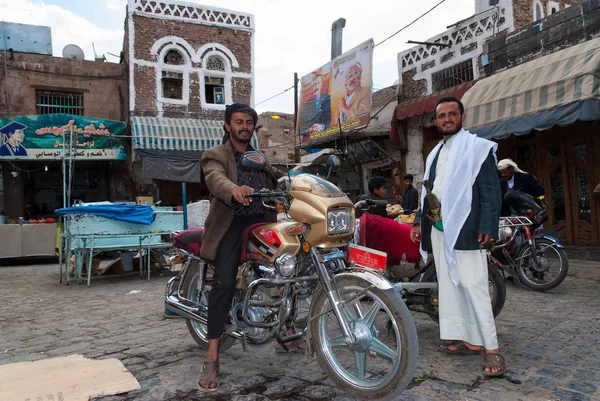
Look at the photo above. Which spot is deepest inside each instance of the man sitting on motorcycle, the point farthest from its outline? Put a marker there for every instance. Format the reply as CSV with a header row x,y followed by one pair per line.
x,y
230,214
515,179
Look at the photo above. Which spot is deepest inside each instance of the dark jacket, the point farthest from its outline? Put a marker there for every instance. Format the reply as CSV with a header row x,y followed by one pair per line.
x,y
524,182
485,208
378,210
221,174
410,200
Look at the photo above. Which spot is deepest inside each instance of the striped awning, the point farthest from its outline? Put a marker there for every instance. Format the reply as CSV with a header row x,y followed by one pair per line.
x,y
159,133
557,89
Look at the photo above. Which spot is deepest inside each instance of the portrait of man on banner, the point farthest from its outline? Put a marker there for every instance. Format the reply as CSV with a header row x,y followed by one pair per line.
x,y
351,87
315,108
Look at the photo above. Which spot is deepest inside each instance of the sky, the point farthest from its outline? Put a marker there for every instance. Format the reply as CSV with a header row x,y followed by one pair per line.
x,y
290,35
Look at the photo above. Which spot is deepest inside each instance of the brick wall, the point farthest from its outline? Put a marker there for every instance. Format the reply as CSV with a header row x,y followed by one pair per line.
x,y
103,84
148,30
276,138
558,31
412,89
523,10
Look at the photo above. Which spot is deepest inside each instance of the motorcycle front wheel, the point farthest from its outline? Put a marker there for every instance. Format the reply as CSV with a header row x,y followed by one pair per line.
x,y
496,288
191,290
381,364
551,268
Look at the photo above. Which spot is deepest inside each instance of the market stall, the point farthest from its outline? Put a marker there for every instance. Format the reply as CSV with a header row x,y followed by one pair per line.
x,y
90,230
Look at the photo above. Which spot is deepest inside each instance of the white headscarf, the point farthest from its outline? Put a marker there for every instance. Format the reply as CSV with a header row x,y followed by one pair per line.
x,y
505,163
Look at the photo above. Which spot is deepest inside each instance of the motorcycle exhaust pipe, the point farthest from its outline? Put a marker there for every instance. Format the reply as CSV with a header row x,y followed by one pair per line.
x,y
187,309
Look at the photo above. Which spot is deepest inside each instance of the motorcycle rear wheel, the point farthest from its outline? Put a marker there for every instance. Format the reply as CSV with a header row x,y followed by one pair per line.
x,y
549,255
191,290
496,284
383,363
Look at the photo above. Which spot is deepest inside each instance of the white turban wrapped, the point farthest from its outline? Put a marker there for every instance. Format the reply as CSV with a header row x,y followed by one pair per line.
x,y
505,163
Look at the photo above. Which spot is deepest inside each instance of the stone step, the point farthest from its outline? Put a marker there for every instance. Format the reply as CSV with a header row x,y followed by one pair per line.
x,y
583,252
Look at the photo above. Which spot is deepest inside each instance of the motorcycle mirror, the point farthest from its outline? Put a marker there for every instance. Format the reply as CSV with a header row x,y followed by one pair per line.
x,y
253,160
334,162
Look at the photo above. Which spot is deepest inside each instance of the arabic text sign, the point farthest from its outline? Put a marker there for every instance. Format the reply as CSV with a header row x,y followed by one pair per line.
x,y
41,138
337,96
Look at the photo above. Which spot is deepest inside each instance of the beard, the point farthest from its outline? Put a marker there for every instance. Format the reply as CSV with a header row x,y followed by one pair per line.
x,y
237,137
453,132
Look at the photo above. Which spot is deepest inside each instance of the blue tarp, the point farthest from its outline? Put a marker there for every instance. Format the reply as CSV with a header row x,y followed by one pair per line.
x,y
139,214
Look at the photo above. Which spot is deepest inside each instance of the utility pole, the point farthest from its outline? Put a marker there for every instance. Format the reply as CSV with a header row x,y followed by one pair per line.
x,y
297,145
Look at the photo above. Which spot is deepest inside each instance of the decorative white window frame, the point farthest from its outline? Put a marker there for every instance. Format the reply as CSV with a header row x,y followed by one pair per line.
x,y
551,5
184,69
535,3
204,53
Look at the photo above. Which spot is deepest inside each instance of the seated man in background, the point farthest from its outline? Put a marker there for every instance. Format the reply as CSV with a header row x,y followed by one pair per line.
x,y
515,179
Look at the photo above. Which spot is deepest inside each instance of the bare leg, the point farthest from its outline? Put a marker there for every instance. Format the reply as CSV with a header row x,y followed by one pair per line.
x,y
212,355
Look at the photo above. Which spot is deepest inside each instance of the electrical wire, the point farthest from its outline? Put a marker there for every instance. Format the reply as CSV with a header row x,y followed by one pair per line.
x,y
412,22
274,96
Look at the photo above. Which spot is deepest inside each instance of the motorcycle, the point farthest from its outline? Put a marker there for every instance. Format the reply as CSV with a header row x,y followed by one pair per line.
x,y
293,280
416,282
537,259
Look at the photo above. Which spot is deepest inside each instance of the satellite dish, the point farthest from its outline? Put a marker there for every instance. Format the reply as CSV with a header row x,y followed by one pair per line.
x,y
73,51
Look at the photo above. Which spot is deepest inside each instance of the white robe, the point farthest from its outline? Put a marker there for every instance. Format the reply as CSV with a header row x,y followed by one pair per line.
x,y
465,310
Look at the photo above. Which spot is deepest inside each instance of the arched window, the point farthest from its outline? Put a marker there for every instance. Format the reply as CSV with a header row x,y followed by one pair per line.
x,y
172,80
216,77
173,75
538,10
215,63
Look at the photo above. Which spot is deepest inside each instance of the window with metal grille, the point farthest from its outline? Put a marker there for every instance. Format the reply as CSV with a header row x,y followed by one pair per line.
x,y
49,102
452,76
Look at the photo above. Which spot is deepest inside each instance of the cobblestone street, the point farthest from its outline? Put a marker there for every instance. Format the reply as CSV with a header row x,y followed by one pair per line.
x,y
550,340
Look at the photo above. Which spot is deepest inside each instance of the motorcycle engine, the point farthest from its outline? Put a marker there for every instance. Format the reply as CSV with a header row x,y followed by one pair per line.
x,y
263,293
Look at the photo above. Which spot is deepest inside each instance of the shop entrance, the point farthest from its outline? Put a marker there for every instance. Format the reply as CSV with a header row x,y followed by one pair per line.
x,y
569,179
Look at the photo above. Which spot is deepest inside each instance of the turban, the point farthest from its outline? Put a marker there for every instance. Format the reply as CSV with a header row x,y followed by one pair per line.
x,y
505,163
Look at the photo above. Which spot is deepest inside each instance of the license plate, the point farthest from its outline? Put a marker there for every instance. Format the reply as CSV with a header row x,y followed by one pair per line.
x,y
367,257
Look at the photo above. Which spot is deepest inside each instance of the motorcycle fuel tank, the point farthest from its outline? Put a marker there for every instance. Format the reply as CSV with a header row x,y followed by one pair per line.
x,y
270,241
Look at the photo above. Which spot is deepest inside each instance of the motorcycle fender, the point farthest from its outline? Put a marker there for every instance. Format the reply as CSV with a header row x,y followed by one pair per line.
x,y
551,238
370,276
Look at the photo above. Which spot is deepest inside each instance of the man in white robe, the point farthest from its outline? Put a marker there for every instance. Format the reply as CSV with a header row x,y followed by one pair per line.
x,y
462,175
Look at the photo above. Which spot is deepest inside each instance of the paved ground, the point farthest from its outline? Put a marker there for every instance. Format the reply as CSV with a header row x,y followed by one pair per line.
x,y
551,341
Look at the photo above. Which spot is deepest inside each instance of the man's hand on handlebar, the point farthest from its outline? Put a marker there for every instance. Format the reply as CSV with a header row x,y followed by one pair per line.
x,y
239,194
415,234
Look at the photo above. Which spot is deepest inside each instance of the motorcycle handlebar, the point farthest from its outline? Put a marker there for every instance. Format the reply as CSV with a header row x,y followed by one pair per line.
x,y
366,203
266,194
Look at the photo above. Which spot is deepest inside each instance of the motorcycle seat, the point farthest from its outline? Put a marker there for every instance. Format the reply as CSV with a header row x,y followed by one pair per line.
x,y
189,240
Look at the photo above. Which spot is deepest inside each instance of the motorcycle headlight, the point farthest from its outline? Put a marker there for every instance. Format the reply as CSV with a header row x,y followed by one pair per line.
x,y
338,221
286,264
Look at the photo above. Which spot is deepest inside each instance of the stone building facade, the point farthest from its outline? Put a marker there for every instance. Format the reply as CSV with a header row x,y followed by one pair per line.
x,y
187,61
39,83
276,137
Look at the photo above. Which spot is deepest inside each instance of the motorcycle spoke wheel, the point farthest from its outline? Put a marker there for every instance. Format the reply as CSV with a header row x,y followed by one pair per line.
x,y
382,360
551,269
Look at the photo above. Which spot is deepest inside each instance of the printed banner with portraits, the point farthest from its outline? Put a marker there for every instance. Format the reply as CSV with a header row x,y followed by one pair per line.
x,y
336,98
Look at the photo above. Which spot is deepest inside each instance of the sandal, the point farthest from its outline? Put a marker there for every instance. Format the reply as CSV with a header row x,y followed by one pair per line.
x,y
491,361
459,348
210,375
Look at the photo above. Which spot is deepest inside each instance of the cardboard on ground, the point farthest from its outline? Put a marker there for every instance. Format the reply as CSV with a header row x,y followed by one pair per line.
x,y
71,378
